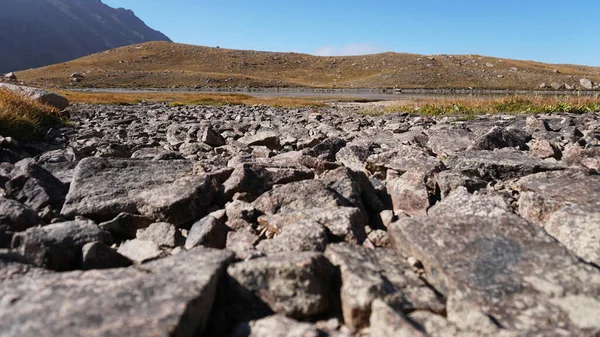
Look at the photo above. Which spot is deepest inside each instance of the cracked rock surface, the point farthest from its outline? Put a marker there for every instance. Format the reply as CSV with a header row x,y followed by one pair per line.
x,y
151,220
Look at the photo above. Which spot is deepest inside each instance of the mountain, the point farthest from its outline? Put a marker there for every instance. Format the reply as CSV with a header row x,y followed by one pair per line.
x,y
164,65
36,33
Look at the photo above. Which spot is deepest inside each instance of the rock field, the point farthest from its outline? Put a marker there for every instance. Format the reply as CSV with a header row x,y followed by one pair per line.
x,y
151,220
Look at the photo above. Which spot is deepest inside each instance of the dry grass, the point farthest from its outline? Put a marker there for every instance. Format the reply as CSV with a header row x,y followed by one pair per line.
x,y
176,99
477,106
164,65
23,118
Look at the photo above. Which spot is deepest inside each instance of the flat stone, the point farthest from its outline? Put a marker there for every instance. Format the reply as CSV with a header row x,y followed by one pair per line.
x,y
500,164
160,190
370,274
140,251
58,246
504,270
282,326
299,196
461,202
299,236
297,285
449,140
405,158
269,139
97,255
169,297
163,234
343,223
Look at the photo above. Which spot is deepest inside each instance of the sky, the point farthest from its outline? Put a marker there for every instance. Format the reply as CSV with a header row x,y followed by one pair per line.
x,y
553,31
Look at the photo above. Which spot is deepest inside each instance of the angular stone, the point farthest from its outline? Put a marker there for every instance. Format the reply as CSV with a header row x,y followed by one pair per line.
x,y
97,255
282,326
299,236
369,274
160,190
586,83
58,246
327,149
543,149
504,270
35,187
461,202
140,251
269,139
297,285
386,322
356,187
242,244
15,217
499,164
207,232
409,193
169,297
212,137
566,205
125,225
256,179
354,156
405,158
163,234
299,196
343,223
449,180
450,140
499,137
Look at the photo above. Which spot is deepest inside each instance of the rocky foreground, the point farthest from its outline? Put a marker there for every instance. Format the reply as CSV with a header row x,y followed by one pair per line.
x,y
151,220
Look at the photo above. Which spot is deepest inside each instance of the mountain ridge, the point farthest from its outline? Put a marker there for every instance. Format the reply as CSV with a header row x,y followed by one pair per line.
x,y
36,33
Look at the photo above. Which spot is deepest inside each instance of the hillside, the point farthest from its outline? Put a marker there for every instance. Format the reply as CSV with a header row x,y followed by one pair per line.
x,y
163,64
35,33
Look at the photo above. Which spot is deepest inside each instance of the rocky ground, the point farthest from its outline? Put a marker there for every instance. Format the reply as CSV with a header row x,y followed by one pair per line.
x,y
151,220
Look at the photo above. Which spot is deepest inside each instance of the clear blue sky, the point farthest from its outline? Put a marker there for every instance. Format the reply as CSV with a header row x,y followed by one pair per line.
x,y
555,31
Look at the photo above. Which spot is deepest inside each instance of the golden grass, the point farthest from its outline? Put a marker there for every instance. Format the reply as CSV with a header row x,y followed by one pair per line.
x,y
23,118
176,99
476,106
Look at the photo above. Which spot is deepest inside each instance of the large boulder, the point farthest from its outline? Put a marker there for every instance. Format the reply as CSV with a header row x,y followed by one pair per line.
x,y
160,190
40,95
169,297
504,270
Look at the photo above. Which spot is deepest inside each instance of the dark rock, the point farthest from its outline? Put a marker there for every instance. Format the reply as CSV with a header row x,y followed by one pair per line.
x,y
256,179
504,270
297,285
161,191
35,187
168,297
207,232
125,225
58,246
370,274
499,137
97,255
449,180
211,137
269,139
327,149
8,156
15,217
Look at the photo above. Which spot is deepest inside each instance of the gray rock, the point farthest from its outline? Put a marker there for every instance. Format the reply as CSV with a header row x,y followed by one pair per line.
x,y
354,156
386,322
409,193
504,270
343,223
40,95
168,297
163,234
10,76
565,204
257,179
243,243
241,215
299,196
159,190
125,225
297,285
370,274
299,236
327,149
450,140
269,139
58,246
211,137
543,149
405,158
97,255
282,326
499,137
207,232
15,217
449,180
461,202
499,164
140,251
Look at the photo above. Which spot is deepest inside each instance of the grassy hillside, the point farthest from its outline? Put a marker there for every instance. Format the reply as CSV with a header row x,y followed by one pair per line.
x,y
165,65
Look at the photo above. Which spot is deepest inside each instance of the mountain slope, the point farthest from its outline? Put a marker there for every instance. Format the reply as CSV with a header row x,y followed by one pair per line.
x,y
163,65
35,33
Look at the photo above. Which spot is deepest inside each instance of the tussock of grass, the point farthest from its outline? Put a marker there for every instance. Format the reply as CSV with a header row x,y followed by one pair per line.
x,y
181,99
477,106
23,118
